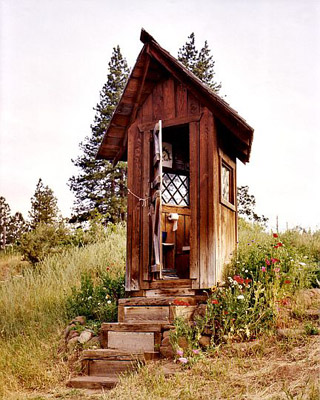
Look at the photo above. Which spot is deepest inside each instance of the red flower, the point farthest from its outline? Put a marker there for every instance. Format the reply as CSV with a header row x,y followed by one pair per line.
x,y
267,261
238,279
108,269
275,235
276,246
225,312
214,301
274,260
287,281
279,244
180,303
247,281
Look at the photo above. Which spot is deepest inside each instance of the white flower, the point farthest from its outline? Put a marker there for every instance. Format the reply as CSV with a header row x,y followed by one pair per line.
x,y
240,286
302,263
90,297
305,257
240,297
246,271
109,302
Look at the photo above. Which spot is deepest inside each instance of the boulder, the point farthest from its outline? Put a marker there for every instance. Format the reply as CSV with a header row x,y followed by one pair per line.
x,y
85,336
205,341
81,320
199,312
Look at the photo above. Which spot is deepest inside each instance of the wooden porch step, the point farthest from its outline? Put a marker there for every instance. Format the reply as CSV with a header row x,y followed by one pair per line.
x,y
93,382
112,354
134,338
161,301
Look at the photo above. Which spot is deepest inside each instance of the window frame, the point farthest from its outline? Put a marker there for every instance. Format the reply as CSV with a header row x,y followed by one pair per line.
x,y
226,162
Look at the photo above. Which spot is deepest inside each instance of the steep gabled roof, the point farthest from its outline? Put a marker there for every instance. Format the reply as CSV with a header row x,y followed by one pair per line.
x,y
153,64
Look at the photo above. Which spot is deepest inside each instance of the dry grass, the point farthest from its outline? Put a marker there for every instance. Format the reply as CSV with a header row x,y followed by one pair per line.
x,y
269,368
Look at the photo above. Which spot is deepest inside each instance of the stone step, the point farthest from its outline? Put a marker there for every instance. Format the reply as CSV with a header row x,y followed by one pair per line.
x,y
93,382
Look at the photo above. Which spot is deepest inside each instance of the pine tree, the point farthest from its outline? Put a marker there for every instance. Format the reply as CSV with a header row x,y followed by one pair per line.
x,y
16,227
199,62
4,221
43,206
99,187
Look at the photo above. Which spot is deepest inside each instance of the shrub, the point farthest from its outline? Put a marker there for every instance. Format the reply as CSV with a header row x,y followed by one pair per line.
x,y
43,241
97,301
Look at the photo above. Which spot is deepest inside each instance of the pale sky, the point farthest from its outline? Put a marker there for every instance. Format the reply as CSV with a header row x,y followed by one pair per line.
x,y
54,58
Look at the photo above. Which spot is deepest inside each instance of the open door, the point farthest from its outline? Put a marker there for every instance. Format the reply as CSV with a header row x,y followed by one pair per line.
x,y
156,202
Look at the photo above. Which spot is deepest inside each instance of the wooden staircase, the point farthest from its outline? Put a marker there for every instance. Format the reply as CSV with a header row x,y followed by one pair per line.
x,y
133,341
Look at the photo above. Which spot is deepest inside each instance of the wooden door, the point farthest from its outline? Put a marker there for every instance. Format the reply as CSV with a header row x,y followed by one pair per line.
x,y
156,202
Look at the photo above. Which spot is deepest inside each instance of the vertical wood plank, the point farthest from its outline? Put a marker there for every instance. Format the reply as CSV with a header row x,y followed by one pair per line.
x,y
212,204
204,194
157,101
194,203
217,223
135,146
168,99
181,100
147,113
193,104
145,239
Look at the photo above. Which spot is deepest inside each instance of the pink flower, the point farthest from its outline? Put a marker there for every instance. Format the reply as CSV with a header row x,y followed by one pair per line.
x,y
195,351
263,269
180,352
183,360
276,270
267,261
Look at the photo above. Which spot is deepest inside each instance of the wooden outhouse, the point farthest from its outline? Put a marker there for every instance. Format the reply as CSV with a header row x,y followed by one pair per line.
x,y
181,142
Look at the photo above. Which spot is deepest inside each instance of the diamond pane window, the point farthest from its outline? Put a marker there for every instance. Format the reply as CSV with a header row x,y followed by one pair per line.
x,y
225,183
175,189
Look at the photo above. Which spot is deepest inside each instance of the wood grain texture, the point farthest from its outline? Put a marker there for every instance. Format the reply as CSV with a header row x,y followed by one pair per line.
x,y
194,203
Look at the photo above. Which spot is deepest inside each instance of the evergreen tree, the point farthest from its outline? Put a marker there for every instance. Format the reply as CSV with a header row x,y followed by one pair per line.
x,y
43,206
16,227
4,221
246,206
199,62
99,187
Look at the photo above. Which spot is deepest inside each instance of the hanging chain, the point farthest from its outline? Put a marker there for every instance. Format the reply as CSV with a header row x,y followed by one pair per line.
x,y
143,201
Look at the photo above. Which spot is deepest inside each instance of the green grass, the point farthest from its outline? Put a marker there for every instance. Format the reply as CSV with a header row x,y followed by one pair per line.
x,y
33,314
33,310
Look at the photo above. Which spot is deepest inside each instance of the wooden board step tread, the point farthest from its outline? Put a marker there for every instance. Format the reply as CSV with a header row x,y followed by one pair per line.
x,y
131,327
93,382
112,354
161,301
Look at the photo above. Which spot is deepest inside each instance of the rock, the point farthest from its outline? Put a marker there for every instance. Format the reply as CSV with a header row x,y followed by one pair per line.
x,y
205,341
81,320
167,333
183,343
93,342
289,333
199,312
85,336
72,343
67,331
73,334
167,351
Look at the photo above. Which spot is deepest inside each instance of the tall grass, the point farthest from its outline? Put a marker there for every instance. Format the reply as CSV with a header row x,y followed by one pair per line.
x,y
33,309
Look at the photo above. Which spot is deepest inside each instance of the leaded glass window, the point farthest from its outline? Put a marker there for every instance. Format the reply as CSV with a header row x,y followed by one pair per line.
x,y
225,183
175,189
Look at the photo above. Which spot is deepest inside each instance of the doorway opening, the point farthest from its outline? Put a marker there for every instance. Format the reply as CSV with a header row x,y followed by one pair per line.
x,y
175,211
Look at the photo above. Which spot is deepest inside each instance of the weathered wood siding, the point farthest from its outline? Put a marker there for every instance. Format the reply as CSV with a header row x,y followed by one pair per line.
x,y
212,225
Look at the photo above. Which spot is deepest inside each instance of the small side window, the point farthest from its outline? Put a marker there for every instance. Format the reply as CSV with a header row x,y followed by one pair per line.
x,y
227,185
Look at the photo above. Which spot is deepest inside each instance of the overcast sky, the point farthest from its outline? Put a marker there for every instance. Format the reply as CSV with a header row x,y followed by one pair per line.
x,y
54,58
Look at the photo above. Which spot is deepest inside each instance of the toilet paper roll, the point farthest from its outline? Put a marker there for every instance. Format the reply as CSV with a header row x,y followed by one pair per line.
x,y
174,217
